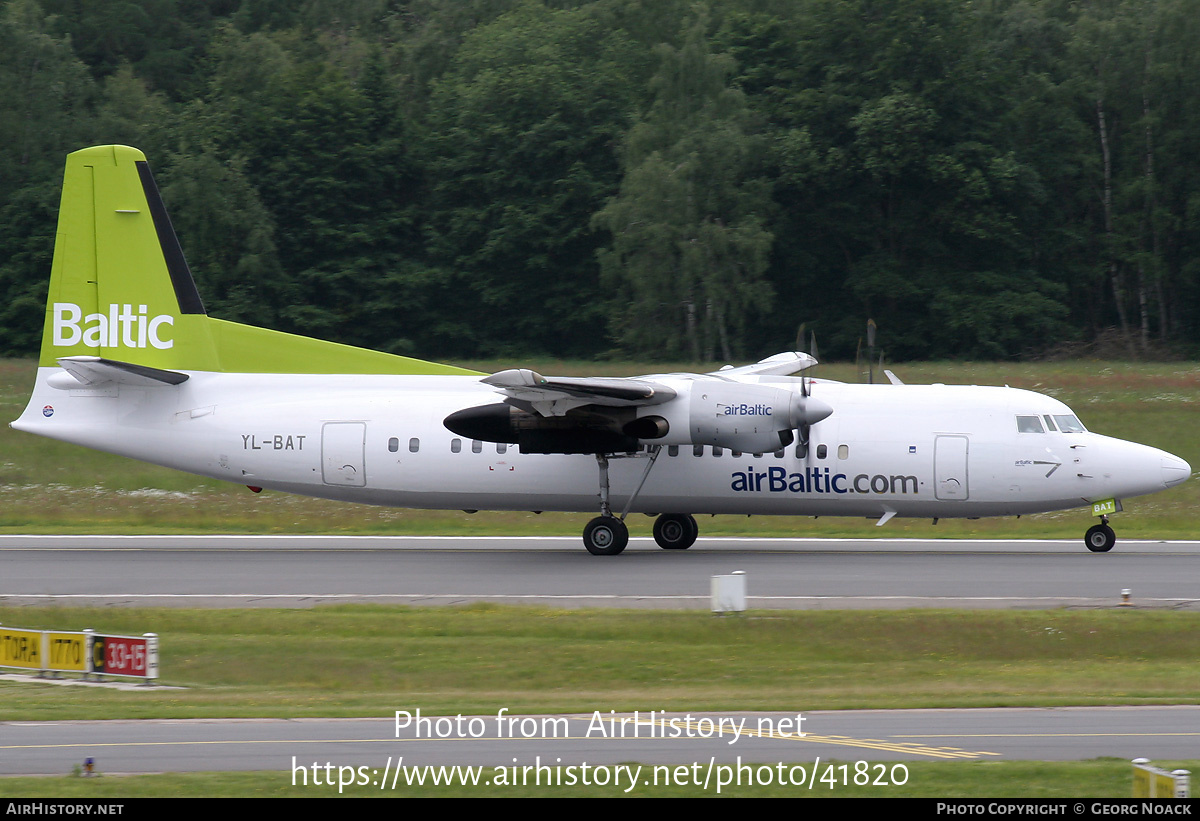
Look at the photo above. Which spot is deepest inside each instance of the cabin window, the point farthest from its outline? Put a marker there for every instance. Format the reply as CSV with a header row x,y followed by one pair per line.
x,y
476,446
779,453
393,444
455,445
822,451
414,445
1029,424
1049,422
501,447
735,453
843,451
717,451
1069,424
672,450
801,451
697,450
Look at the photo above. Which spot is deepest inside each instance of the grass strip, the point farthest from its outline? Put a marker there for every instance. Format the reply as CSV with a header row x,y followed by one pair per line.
x,y
370,660
1101,778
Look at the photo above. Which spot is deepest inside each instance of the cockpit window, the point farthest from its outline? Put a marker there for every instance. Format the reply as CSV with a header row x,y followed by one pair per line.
x,y
1049,422
1029,424
1069,424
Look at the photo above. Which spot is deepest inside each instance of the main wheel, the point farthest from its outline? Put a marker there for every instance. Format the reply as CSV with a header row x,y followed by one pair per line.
x,y
605,536
1100,538
675,531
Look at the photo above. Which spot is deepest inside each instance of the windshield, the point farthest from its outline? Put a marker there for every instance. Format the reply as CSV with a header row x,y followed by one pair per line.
x,y
1067,423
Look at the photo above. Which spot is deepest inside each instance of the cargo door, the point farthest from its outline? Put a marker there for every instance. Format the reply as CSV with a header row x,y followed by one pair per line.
x,y
950,468
342,449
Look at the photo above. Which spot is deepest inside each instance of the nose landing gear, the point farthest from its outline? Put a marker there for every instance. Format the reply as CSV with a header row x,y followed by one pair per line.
x,y
1100,538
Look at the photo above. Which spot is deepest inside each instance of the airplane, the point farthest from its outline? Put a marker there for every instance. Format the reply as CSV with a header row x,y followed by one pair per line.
x,y
132,364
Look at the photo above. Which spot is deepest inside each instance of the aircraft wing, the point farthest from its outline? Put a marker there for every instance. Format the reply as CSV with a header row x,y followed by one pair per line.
x,y
781,364
555,395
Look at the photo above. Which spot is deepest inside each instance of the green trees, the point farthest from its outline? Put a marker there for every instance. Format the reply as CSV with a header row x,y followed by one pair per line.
x,y
689,242
518,156
1137,80
447,178
45,92
902,189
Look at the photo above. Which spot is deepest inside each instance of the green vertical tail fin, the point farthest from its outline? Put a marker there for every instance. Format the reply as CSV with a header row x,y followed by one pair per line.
x,y
121,289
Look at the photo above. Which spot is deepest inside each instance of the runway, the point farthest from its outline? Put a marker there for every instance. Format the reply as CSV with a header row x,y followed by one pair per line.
x,y
280,571
302,571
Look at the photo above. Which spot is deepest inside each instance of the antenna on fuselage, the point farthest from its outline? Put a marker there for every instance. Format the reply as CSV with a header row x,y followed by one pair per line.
x,y
871,352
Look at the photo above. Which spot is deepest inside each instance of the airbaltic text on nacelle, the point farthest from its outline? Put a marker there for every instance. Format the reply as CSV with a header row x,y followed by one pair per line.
x,y
120,326
747,410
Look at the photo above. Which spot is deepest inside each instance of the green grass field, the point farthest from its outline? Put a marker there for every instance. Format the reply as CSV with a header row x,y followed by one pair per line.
x,y
370,660
50,487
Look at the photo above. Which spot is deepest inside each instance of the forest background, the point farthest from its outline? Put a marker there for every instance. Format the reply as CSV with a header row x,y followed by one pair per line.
x,y
667,179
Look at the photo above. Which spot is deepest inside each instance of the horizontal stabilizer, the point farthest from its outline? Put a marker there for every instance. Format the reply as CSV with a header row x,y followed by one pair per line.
x,y
93,370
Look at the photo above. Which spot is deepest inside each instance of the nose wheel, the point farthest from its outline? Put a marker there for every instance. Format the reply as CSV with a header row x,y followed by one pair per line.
x,y
1100,538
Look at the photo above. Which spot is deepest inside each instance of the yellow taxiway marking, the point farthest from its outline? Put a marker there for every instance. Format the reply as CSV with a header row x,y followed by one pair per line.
x,y
1150,734
880,745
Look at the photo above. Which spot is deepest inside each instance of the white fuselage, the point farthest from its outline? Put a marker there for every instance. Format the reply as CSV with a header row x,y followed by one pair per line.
x,y
908,450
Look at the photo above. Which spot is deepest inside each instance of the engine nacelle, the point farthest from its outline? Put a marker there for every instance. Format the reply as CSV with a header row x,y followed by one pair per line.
x,y
754,418
749,417
578,431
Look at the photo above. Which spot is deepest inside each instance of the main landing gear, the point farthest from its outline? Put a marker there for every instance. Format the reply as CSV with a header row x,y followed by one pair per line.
x,y
1100,538
607,535
675,531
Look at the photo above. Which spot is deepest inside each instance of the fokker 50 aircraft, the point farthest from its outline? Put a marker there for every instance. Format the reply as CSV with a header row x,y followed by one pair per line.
x,y
131,364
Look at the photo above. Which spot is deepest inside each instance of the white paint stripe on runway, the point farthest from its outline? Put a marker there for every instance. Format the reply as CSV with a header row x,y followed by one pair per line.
x,y
563,596
570,538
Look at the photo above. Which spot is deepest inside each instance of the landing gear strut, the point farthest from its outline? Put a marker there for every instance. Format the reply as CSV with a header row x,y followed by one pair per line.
x,y
607,535
1100,538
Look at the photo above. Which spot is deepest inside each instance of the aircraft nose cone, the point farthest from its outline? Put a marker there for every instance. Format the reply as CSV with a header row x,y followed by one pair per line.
x,y
1174,470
